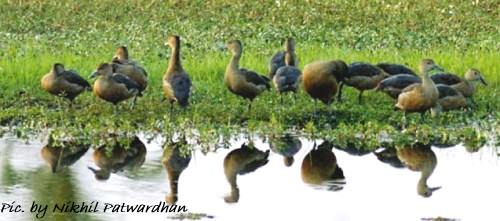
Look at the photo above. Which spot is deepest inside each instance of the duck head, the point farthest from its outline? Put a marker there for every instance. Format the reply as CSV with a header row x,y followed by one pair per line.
x,y
474,75
173,41
426,65
121,53
103,69
235,47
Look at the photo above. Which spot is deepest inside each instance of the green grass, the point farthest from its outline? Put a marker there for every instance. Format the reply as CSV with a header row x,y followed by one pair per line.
x,y
457,35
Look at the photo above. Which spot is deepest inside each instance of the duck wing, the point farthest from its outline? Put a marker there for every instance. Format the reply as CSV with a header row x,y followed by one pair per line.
x,y
445,91
277,61
181,85
128,82
253,77
72,77
400,81
394,69
362,69
446,78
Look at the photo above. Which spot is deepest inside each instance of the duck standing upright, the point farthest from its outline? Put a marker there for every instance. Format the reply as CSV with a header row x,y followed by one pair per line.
x,y
286,78
242,82
279,59
123,64
176,82
65,83
419,97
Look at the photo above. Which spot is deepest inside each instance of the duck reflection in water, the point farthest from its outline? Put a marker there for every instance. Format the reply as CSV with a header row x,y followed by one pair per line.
x,y
116,158
66,153
243,160
419,157
175,159
320,168
389,156
287,146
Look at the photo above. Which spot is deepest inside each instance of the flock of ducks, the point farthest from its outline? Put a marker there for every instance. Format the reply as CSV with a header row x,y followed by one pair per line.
x,y
123,78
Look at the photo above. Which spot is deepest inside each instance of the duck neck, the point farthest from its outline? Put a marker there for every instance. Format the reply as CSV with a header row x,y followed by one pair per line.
x,y
427,171
235,61
290,58
173,179
175,60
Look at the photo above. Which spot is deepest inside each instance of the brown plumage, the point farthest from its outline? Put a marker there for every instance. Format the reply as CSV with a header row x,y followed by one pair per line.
x,y
362,76
419,157
62,156
419,97
176,82
123,64
175,162
65,83
119,158
463,85
243,160
449,98
242,82
320,166
113,87
320,79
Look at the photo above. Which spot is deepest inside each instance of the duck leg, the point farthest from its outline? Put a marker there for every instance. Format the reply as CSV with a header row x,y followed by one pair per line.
x,y
404,120
339,96
422,116
132,104
249,106
360,97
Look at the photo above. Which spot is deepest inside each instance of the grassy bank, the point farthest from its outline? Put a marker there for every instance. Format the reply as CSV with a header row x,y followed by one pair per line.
x,y
36,34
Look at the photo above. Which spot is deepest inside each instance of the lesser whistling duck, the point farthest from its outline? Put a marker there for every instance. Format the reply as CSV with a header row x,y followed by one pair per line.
x,y
287,146
61,156
122,64
320,167
175,161
393,85
419,157
419,97
120,158
176,82
113,87
286,78
395,69
243,160
242,82
278,60
362,76
320,79
66,83
465,86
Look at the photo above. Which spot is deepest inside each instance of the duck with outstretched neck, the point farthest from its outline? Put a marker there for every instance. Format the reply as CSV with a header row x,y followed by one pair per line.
x,y
466,85
175,160
176,81
419,157
241,161
123,64
287,77
242,82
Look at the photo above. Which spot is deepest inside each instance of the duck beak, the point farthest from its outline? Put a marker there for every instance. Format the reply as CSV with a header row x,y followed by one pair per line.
x,y
93,75
483,81
432,189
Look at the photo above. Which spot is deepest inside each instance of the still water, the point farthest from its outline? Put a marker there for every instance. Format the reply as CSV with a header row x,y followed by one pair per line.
x,y
243,183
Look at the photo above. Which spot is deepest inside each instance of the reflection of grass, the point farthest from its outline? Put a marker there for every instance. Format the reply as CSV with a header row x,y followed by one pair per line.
x,y
457,41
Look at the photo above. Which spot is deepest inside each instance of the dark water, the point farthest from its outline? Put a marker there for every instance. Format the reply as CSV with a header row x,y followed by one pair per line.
x,y
266,189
